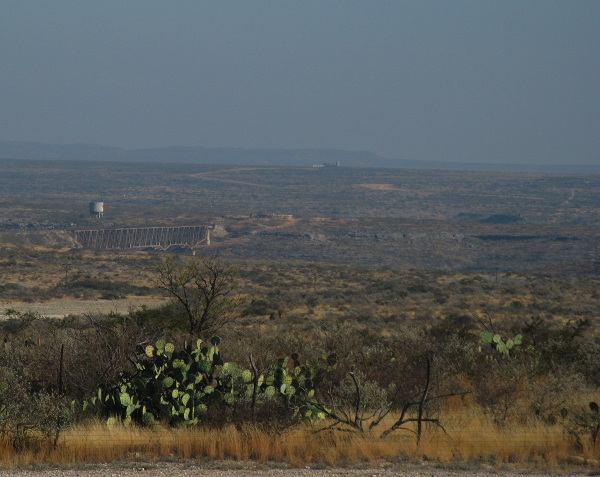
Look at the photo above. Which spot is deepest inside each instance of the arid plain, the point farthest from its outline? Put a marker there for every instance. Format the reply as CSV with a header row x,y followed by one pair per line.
x,y
394,256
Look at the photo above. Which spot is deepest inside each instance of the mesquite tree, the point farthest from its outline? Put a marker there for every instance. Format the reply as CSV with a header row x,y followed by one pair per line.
x,y
204,289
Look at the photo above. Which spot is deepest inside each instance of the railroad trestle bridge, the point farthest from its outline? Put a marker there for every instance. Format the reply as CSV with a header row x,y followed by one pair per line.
x,y
139,237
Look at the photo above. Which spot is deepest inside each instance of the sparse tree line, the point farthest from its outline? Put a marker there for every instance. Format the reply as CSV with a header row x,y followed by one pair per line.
x,y
167,367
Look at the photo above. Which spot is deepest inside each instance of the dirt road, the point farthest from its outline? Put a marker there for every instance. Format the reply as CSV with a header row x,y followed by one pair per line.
x,y
62,308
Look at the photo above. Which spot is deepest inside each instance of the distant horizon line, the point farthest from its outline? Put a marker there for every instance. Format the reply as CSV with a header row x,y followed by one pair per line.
x,y
385,161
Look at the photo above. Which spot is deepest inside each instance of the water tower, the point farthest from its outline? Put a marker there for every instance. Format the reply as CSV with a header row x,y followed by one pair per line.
x,y
96,210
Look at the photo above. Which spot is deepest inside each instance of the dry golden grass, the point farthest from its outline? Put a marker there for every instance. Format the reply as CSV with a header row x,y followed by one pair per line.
x,y
471,438
474,437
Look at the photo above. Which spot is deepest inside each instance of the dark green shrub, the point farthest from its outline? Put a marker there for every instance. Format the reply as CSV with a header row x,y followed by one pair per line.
x,y
582,425
30,418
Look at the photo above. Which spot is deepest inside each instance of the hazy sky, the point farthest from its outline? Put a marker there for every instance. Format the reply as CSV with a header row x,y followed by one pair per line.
x,y
470,81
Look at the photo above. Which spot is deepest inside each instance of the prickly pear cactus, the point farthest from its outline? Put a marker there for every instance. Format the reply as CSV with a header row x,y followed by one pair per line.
x,y
505,348
171,386
177,387
293,385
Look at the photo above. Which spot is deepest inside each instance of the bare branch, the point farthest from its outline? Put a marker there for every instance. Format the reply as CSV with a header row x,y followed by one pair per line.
x,y
357,420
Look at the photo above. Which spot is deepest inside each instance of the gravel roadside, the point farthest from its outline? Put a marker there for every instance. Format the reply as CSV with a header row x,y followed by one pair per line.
x,y
241,470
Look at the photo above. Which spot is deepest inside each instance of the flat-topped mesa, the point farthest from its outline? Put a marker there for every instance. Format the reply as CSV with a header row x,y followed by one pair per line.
x,y
139,237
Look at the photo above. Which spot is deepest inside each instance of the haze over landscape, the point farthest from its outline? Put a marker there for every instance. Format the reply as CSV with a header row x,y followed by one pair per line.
x,y
286,237
498,82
